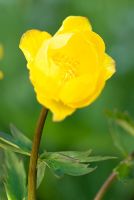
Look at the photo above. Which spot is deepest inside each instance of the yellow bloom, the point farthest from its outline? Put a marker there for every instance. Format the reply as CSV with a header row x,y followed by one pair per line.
x,y
69,70
1,56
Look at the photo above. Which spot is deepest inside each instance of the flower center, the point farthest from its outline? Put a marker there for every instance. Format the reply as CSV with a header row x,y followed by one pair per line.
x,y
67,65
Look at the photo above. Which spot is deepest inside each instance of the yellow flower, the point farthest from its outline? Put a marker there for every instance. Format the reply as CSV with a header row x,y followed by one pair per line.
x,y
69,70
1,56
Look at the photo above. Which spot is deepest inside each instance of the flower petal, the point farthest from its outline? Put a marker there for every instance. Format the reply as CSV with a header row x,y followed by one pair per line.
x,y
109,65
31,42
59,110
77,90
98,44
75,58
75,24
69,70
61,60
99,87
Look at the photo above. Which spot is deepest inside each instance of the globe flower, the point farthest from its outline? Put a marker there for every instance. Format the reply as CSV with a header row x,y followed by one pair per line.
x,y
68,70
1,56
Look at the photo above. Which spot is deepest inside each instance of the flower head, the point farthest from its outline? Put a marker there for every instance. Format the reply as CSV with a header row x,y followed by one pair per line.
x,y
1,56
69,70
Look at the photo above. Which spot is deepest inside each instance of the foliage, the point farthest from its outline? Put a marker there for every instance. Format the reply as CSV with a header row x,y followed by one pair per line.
x,y
125,169
74,163
15,183
113,20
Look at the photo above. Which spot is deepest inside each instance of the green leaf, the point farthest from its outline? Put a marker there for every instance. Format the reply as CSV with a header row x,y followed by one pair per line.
x,y
2,178
2,193
84,157
7,142
118,141
73,163
11,148
63,166
123,120
125,170
122,170
76,154
8,139
122,123
40,172
98,158
23,142
15,184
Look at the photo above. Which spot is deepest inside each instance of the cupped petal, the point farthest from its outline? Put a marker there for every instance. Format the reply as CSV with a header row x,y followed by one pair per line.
x,y
109,66
74,24
77,90
107,71
62,60
76,58
59,109
91,98
45,85
98,44
59,41
31,41
69,68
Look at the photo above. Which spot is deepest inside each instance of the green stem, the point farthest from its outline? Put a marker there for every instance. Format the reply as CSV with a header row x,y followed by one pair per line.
x,y
105,186
113,176
32,175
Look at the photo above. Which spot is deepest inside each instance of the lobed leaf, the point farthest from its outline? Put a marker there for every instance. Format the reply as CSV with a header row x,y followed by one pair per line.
x,y
74,163
41,167
8,139
15,184
125,170
24,142
123,120
5,146
2,178
17,142
63,166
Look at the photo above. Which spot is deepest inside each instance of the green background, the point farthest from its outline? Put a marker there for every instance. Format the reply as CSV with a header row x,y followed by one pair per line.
x,y
86,128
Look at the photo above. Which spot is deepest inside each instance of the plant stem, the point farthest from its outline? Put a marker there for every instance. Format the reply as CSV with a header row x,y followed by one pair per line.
x,y
105,186
111,178
32,175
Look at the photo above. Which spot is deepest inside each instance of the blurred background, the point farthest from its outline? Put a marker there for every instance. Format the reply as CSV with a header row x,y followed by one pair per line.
x,y
86,128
